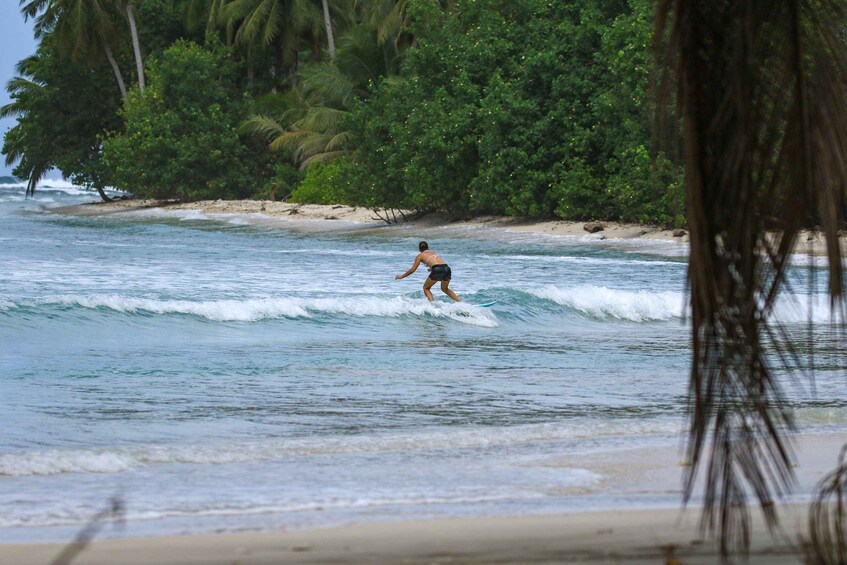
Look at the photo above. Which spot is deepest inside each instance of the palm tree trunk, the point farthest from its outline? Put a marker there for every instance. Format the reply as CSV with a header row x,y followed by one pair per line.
x,y
328,23
118,76
136,46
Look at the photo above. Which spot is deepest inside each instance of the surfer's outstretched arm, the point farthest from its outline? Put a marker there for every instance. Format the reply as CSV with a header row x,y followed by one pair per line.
x,y
412,269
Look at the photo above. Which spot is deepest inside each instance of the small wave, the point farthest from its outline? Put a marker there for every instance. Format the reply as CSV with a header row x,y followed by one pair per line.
x,y
256,309
120,459
54,185
645,306
603,303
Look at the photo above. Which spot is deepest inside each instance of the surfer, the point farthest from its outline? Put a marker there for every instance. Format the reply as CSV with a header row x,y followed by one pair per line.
x,y
438,271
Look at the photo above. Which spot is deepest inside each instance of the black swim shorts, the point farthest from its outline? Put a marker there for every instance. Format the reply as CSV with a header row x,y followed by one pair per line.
x,y
440,273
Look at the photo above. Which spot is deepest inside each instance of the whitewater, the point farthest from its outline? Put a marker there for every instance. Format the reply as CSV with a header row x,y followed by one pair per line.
x,y
227,374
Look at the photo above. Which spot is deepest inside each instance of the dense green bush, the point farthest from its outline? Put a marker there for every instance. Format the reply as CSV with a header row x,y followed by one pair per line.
x,y
179,138
326,183
522,108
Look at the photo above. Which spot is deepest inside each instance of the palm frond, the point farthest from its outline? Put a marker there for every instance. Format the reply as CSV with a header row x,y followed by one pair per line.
x,y
289,140
324,82
339,141
262,126
325,157
827,544
759,87
322,119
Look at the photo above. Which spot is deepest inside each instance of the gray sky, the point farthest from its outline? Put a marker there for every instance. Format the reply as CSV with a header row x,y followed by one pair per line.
x,y
16,42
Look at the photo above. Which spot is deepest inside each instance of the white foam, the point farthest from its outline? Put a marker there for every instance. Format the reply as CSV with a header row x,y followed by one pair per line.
x,y
644,306
601,302
255,309
124,458
53,185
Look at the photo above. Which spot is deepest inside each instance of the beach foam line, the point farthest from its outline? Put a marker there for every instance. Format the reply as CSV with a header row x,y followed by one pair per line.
x,y
109,460
567,478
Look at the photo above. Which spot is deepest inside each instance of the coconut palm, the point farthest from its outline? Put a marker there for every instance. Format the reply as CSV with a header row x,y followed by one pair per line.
x,y
24,86
85,27
275,24
760,88
306,123
330,40
86,24
203,14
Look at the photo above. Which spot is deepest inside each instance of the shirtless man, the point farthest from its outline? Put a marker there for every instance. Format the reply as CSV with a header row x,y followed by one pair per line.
x,y
438,271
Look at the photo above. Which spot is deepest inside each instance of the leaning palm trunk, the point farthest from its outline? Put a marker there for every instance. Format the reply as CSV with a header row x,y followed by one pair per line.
x,y
136,45
118,76
760,87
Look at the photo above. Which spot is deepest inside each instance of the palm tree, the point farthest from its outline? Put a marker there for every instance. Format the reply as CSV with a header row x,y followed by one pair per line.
x,y
278,25
84,26
391,20
203,13
760,89
24,86
306,123
88,22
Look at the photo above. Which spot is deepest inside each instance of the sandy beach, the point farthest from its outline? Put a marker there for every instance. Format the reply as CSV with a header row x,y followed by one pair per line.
x,y
648,536
328,217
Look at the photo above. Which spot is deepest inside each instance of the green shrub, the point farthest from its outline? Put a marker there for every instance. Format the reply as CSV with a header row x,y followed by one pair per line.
x,y
179,138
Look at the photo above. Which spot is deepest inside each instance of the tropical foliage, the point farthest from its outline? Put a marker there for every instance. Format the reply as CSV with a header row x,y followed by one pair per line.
x,y
523,108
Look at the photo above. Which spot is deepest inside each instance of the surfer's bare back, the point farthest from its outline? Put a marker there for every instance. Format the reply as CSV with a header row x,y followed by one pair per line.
x,y
438,271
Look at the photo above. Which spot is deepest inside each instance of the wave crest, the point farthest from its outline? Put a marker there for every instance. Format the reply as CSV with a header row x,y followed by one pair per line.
x,y
256,309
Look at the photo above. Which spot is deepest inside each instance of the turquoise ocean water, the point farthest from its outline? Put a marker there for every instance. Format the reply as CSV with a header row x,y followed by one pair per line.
x,y
235,372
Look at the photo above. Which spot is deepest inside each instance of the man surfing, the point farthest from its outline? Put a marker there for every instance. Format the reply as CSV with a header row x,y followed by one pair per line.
x,y
438,271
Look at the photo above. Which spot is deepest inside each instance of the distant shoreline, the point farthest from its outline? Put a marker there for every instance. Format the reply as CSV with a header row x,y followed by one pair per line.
x,y
327,216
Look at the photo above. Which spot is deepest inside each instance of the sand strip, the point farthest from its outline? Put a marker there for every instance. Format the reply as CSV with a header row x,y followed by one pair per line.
x,y
649,536
808,242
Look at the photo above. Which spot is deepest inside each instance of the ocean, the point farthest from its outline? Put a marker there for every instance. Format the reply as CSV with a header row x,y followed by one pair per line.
x,y
234,373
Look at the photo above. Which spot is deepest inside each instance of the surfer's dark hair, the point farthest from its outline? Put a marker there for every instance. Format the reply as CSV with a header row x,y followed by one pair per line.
x,y
423,246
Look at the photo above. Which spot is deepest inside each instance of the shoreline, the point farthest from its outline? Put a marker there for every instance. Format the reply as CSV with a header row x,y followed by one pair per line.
x,y
324,217
606,534
340,214
647,536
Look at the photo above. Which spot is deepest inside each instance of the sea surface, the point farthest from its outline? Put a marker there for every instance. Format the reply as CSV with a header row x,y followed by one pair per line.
x,y
240,373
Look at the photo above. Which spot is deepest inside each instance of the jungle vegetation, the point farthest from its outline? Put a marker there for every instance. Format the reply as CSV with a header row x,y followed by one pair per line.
x,y
530,108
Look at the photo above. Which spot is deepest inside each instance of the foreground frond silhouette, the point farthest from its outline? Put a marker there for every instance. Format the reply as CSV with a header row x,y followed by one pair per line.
x,y
759,87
